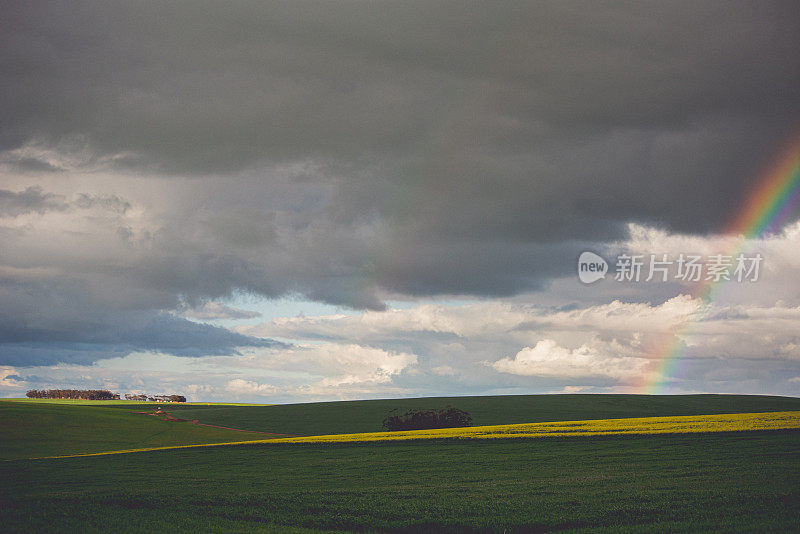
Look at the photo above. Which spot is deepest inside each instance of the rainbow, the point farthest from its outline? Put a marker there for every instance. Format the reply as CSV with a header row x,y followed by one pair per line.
x,y
767,208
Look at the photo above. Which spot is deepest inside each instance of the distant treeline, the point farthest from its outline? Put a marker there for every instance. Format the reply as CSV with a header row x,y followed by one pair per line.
x,y
83,394
98,394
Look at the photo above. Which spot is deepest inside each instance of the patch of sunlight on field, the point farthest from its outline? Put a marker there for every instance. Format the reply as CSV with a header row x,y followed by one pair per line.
x,y
597,427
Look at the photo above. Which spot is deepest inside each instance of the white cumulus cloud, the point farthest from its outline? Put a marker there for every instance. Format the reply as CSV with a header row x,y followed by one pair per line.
x,y
547,358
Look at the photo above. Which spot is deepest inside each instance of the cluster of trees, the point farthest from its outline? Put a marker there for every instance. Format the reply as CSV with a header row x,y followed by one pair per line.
x,y
448,417
156,398
97,394
82,394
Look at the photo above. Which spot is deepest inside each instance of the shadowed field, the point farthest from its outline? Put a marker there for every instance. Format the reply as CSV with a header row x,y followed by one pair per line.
x,y
731,482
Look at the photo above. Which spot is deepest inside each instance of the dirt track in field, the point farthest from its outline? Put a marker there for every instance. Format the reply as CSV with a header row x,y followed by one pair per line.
x,y
169,417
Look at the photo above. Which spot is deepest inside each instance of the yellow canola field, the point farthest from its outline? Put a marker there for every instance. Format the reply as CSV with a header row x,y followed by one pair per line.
x,y
596,427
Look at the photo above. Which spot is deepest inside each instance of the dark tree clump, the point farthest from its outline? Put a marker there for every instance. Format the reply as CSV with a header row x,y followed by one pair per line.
x,y
82,394
448,417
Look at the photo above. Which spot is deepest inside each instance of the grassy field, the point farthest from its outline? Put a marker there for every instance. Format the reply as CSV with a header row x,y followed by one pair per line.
x,y
49,427
731,482
30,429
710,481
682,424
367,416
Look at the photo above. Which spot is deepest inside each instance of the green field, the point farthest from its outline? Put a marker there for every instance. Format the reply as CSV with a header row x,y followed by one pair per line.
x,y
704,482
367,416
30,429
725,482
48,427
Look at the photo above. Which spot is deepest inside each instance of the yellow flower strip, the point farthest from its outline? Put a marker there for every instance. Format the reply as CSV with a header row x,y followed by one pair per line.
x,y
595,427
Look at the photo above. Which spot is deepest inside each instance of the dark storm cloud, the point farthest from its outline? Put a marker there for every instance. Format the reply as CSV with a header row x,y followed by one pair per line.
x,y
113,338
521,113
344,150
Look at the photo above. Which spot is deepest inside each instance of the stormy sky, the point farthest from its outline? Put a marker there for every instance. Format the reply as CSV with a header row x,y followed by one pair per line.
x,y
316,200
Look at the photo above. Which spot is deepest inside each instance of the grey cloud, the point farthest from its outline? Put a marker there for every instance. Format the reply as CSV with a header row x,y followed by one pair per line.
x,y
510,120
107,202
121,335
32,199
29,164
352,151
35,200
215,310
728,314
